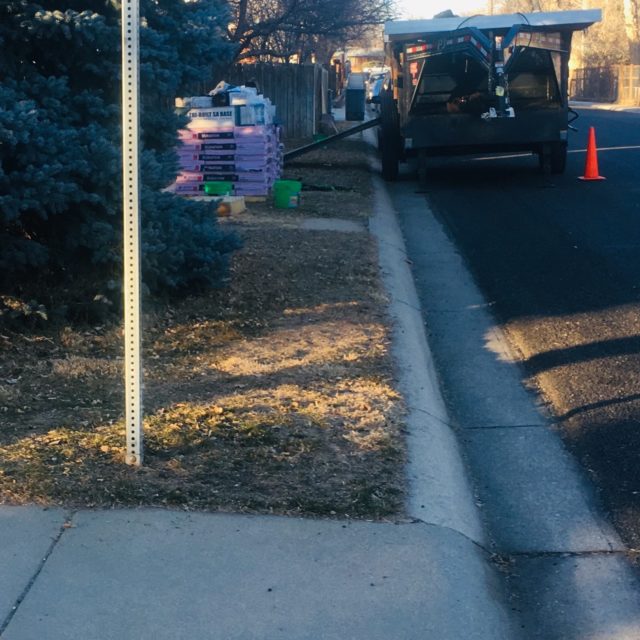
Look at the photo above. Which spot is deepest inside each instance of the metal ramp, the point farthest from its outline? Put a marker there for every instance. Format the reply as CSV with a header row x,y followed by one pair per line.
x,y
294,153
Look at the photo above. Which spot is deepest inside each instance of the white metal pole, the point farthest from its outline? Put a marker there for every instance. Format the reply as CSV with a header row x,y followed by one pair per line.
x,y
131,231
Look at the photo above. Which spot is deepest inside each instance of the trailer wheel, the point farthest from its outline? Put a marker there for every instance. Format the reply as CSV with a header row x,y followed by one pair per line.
x,y
389,147
544,158
390,140
552,157
558,157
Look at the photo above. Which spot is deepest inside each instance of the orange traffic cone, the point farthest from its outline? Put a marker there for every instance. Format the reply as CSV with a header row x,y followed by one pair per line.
x,y
591,165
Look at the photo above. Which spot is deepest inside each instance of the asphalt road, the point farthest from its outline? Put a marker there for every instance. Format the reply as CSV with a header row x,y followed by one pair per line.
x,y
559,261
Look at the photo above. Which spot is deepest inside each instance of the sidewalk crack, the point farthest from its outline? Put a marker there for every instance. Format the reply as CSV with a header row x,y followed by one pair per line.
x,y
391,245
408,304
54,542
443,421
444,527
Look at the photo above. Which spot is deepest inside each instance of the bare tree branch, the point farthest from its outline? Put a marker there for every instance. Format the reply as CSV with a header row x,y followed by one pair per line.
x,y
281,29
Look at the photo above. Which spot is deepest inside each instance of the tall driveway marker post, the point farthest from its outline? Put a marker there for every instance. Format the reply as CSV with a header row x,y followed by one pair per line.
x,y
131,230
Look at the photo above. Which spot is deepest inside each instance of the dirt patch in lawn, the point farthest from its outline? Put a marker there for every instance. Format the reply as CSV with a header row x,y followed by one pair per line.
x,y
273,395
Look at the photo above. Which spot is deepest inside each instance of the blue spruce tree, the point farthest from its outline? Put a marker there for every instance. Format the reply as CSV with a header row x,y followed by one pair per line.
x,y
60,171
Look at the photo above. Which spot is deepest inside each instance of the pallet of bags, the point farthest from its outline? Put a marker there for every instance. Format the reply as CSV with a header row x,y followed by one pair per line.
x,y
230,136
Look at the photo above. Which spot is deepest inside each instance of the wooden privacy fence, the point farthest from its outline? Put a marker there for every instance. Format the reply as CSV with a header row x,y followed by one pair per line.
x,y
629,84
594,83
299,91
617,83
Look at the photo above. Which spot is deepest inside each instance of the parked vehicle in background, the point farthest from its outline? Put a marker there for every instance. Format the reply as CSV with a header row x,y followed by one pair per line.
x,y
375,80
374,90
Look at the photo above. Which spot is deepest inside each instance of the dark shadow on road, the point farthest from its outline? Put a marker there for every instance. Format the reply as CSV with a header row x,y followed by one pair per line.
x,y
602,404
583,353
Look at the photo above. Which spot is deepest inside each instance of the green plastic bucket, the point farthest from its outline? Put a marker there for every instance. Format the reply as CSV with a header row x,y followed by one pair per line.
x,y
286,193
222,188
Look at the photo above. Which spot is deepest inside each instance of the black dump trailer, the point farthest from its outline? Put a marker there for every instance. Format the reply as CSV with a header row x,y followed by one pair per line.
x,y
478,84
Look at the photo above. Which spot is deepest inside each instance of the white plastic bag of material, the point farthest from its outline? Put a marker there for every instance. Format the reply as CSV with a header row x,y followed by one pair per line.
x,y
221,87
243,95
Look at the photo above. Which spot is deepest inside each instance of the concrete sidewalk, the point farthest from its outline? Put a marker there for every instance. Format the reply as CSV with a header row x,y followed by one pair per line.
x,y
165,574
603,106
162,574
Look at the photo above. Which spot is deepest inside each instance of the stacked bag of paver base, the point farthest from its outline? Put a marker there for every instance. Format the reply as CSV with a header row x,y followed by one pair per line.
x,y
231,144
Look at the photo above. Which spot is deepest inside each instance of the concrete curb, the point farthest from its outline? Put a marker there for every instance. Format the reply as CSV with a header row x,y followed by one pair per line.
x,y
440,493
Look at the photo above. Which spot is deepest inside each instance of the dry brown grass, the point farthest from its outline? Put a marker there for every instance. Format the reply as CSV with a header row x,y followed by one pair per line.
x,y
274,395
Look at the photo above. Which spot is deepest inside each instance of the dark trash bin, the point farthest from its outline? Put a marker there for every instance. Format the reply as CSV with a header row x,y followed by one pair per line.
x,y
354,103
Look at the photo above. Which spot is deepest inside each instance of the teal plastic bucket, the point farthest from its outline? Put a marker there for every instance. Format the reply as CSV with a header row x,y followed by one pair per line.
x,y
286,193
222,188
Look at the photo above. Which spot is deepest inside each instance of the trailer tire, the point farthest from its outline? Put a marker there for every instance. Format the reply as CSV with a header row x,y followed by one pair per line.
x,y
389,137
544,158
558,157
552,157
390,155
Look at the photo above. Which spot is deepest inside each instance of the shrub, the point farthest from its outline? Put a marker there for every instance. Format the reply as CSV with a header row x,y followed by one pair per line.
x,y
60,168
